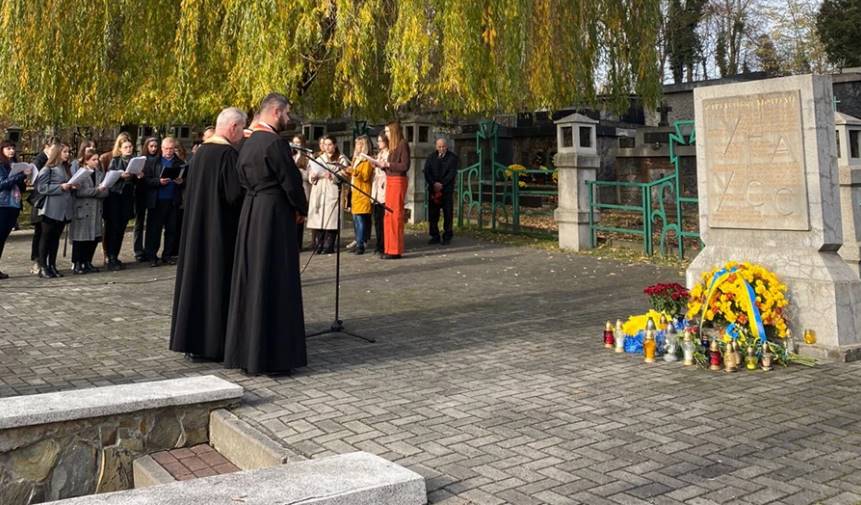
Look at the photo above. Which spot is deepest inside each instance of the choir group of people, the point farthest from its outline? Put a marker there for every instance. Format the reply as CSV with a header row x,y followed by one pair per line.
x,y
232,218
94,212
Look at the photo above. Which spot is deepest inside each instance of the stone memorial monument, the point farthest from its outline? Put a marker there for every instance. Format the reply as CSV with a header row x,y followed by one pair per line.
x,y
768,189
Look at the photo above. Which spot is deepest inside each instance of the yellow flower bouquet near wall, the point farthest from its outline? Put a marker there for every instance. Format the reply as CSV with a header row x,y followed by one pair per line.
x,y
746,298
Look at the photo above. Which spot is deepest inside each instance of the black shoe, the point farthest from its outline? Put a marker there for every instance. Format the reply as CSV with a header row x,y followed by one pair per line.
x,y
46,273
360,251
90,268
390,256
446,241
114,265
140,258
169,260
154,263
3,276
55,271
79,269
195,358
433,240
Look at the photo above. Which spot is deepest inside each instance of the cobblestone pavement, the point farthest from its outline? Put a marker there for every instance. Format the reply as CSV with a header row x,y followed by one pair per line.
x,y
488,378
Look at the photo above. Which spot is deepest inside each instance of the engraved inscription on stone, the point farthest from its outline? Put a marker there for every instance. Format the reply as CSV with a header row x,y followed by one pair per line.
x,y
755,162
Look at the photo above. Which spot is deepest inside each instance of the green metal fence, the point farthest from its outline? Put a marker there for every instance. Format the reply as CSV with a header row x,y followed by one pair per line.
x,y
473,180
644,209
531,189
490,187
652,207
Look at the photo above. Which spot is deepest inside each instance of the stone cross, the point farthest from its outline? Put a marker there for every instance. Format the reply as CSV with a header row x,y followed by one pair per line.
x,y
665,110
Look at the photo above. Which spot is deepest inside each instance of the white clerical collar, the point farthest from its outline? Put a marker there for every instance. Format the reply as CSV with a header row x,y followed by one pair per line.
x,y
217,139
262,125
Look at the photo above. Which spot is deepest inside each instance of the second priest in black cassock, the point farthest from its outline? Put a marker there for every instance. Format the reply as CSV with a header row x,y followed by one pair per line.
x,y
207,243
266,324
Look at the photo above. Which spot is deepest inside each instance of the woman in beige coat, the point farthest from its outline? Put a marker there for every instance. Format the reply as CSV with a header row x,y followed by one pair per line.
x,y
323,202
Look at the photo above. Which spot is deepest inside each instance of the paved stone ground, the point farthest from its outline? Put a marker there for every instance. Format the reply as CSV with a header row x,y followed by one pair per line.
x,y
488,378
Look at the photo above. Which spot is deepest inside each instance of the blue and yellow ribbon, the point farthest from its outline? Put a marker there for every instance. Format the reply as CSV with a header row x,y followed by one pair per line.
x,y
753,316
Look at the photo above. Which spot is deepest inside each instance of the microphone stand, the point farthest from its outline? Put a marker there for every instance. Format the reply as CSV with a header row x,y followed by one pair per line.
x,y
338,324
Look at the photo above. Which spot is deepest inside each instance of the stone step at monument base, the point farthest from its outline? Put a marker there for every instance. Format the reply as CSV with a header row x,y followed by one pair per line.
x,y
355,478
842,354
234,445
180,464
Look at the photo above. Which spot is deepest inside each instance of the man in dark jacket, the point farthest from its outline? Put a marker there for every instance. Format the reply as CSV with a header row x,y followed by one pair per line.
x,y
440,172
163,177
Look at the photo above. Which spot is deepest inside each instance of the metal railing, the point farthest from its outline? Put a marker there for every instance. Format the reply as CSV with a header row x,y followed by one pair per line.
x,y
652,208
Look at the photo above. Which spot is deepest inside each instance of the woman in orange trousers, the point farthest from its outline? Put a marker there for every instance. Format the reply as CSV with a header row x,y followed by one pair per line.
x,y
396,190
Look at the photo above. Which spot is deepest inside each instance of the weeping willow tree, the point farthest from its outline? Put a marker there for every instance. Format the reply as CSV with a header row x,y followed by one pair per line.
x,y
103,62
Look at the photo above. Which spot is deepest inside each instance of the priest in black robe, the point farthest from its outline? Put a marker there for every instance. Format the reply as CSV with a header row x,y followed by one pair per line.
x,y
266,324
213,201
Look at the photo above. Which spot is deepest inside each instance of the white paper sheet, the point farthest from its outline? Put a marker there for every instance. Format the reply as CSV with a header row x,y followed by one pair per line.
x,y
136,165
79,175
110,179
20,167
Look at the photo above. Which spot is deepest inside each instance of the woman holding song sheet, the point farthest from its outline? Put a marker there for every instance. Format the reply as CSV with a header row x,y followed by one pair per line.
x,y
119,205
85,231
11,187
362,173
55,206
323,205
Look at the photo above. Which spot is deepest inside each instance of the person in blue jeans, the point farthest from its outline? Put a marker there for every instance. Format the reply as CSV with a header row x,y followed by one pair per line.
x,y
11,187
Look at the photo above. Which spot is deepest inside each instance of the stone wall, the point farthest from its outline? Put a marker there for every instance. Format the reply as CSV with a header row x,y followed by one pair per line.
x,y
73,458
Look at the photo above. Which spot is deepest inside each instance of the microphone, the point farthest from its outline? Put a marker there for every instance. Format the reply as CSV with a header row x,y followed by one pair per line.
x,y
300,148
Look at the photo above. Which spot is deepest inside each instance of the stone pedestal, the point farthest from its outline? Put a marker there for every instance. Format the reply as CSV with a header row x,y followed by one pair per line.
x,y
577,161
421,139
768,189
849,167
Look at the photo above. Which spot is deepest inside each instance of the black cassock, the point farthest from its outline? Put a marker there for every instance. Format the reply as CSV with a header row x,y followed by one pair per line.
x,y
266,324
205,264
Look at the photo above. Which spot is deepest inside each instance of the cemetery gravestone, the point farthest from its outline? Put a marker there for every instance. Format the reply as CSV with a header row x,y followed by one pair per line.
x,y
768,186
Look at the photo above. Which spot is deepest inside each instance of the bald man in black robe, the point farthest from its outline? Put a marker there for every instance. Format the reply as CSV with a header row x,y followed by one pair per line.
x,y
205,264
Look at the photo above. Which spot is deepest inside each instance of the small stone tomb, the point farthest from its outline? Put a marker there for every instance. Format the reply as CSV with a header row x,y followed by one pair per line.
x,y
79,442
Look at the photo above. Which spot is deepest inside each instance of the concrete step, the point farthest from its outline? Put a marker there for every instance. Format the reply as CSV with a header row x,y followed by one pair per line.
x,y
356,478
244,445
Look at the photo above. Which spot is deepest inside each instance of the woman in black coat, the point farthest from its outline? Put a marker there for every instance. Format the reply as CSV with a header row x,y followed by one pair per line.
x,y
119,207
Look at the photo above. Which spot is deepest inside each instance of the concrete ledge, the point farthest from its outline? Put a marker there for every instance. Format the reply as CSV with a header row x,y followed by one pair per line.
x,y
356,478
147,472
244,445
31,410
843,354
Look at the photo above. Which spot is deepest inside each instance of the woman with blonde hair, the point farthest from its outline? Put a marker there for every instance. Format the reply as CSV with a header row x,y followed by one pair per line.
x,y
395,166
378,193
362,173
105,158
56,206
119,206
